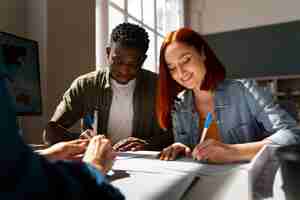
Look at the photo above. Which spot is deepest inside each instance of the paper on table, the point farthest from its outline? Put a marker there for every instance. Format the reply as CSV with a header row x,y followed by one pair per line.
x,y
147,162
167,180
155,186
137,154
161,179
217,169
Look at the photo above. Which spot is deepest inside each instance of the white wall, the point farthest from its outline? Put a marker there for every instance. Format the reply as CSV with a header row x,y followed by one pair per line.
x,y
218,16
70,44
65,31
36,29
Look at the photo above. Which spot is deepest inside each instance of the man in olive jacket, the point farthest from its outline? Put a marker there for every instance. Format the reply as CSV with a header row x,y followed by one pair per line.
x,y
120,98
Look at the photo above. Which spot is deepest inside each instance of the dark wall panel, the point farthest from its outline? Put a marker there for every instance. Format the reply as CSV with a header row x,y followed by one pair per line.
x,y
271,50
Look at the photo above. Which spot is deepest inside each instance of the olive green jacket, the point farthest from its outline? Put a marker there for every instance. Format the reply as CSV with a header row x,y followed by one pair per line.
x,y
92,92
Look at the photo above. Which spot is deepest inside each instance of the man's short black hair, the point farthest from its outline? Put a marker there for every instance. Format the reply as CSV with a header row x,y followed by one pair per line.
x,y
130,35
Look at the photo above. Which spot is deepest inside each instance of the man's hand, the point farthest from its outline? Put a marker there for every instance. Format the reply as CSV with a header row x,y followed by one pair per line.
x,y
174,150
130,144
71,150
100,153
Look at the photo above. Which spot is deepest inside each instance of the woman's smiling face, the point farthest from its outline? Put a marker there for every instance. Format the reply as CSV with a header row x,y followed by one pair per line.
x,y
185,64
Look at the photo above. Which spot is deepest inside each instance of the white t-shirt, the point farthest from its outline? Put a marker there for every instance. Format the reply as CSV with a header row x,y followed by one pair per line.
x,y
121,111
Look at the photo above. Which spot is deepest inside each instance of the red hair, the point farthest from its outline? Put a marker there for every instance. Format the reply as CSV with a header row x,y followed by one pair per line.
x,y
168,88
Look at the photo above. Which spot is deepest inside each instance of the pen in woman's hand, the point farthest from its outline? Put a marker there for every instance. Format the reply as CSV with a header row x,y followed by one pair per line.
x,y
207,123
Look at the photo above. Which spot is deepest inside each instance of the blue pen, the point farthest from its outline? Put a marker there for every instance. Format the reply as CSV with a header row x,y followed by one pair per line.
x,y
207,123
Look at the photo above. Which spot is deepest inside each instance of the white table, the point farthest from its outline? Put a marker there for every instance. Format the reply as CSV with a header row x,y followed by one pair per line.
x,y
228,186
141,176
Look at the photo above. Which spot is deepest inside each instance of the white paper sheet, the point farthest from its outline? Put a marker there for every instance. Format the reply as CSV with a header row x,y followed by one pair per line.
x,y
148,162
141,175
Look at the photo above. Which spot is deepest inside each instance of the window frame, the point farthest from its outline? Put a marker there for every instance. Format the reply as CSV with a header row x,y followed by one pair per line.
x,y
154,29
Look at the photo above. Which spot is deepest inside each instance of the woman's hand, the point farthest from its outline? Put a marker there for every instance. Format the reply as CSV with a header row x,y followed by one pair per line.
x,y
70,150
174,150
214,151
100,153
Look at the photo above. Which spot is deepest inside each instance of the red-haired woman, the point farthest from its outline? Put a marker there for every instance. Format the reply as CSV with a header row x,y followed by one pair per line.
x,y
192,83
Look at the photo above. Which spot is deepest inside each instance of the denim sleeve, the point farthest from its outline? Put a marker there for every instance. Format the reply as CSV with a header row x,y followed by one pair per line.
x,y
280,126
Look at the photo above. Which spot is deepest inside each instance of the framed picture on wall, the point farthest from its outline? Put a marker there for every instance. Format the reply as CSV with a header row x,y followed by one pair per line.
x,y
19,64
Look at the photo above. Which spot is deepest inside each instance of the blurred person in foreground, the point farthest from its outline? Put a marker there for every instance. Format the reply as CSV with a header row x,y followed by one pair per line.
x,y
26,175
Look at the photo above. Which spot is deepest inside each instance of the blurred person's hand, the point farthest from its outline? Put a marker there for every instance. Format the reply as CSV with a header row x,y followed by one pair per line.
x,y
173,151
70,150
100,153
130,144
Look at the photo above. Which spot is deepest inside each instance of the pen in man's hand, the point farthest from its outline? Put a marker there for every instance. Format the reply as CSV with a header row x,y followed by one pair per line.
x,y
207,123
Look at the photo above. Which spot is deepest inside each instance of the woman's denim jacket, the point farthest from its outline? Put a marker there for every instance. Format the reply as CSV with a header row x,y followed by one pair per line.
x,y
244,113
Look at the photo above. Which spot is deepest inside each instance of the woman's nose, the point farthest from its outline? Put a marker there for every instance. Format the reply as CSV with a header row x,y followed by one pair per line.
x,y
181,72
